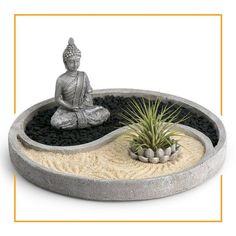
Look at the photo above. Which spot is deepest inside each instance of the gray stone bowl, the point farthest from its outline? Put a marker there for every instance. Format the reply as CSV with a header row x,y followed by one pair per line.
x,y
115,190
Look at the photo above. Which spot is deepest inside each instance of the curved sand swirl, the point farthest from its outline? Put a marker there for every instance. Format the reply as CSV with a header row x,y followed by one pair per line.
x,y
112,161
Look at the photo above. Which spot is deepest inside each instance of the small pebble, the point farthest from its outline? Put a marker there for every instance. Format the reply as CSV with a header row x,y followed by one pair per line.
x,y
132,148
140,152
149,153
154,160
133,155
164,159
173,148
143,159
159,152
168,151
174,155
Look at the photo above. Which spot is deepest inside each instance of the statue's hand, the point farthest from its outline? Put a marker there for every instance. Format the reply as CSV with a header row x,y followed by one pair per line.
x,y
75,109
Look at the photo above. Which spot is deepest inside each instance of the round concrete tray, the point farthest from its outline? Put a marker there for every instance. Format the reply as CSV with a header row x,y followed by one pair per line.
x,y
116,190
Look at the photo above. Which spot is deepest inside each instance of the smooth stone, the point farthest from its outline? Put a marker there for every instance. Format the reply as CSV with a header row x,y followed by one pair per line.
x,y
143,159
132,149
173,148
154,160
133,155
159,152
168,151
140,152
164,159
174,155
161,159
149,153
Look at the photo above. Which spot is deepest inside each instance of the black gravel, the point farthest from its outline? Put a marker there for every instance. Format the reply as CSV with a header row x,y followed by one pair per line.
x,y
40,130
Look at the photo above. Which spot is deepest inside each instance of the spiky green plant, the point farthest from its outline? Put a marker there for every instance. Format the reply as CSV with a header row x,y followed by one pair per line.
x,y
151,125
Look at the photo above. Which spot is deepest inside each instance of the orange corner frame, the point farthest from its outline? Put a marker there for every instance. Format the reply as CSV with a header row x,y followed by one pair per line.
x,y
221,112
220,220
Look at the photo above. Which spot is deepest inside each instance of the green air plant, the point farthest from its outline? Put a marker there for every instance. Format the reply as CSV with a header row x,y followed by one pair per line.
x,y
151,125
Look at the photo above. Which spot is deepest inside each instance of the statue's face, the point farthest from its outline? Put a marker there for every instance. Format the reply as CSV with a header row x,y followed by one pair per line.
x,y
72,64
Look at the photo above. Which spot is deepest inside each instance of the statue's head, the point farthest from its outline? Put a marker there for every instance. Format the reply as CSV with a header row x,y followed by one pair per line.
x,y
71,56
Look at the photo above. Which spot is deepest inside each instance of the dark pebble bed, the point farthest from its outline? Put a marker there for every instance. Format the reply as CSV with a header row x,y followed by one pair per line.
x,y
40,130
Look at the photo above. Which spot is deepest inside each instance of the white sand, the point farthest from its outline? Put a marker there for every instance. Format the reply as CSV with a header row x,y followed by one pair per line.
x,y
113,162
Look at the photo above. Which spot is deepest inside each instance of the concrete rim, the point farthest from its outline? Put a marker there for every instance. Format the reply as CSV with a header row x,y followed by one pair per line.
x,y
116,190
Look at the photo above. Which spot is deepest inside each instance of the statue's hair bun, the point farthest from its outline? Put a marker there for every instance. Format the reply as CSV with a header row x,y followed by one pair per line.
x,y
71,50
71,41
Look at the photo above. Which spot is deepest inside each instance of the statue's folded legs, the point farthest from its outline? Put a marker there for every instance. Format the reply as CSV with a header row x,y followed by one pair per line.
x,y
91,116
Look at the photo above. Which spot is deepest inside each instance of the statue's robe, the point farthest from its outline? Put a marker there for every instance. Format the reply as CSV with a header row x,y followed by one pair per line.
x,y
78,94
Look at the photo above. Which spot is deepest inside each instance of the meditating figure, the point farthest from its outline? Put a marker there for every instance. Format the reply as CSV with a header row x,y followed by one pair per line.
x,y
73,95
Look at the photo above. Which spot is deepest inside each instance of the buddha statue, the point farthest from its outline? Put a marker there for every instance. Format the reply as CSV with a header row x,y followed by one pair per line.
x,y
73,95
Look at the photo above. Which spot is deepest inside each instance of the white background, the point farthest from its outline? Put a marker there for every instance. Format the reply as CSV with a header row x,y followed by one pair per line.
x,y
177,55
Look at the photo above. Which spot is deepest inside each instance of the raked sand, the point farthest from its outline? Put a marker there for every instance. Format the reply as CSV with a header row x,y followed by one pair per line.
x,y
112,161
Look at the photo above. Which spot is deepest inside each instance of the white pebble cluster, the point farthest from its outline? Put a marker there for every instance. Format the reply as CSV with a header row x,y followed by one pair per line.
x,y
158,156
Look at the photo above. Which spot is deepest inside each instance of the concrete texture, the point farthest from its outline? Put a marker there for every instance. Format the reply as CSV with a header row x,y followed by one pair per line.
x,y
115,190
